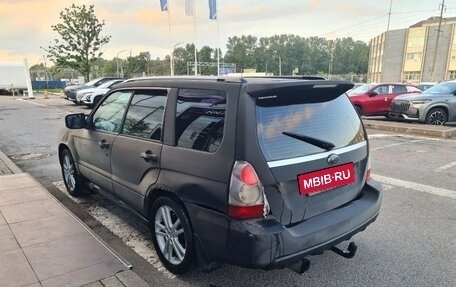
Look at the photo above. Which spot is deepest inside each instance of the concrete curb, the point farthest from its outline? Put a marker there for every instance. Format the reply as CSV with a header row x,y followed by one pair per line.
x,y
438,131
11,165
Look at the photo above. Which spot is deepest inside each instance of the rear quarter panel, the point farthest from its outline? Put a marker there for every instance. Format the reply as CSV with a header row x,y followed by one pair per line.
x,y
198,177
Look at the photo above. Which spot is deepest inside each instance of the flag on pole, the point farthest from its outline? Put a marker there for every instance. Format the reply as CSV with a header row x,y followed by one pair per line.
x,y
189,8
213,9
164,5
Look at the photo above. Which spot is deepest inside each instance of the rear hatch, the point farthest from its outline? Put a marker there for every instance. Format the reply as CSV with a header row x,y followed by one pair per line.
x,y
314,146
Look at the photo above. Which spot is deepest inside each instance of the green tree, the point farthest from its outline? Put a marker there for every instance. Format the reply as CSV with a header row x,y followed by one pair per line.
x,y
80,42
286,53
207,54
39,71
109,67
241,51
159,67
137,65
181,57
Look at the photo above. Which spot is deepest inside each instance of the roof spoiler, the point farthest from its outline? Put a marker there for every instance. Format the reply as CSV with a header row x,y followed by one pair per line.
x,y
290,92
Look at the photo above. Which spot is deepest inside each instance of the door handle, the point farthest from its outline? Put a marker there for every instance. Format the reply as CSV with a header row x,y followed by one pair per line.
x,y
103,144
149,156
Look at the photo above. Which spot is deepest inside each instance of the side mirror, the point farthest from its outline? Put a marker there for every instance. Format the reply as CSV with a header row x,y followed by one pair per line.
x,y
75,121
372,94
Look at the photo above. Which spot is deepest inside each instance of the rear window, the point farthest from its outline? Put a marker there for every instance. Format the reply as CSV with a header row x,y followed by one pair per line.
x,y
331,120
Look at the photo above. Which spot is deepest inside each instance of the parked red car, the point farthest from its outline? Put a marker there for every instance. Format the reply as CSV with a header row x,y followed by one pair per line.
x,y
375,99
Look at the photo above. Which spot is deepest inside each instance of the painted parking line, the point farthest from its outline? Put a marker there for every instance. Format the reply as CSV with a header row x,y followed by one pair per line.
x,y
30,102
387,146
415,186
133,234
396,144
444,167
405,136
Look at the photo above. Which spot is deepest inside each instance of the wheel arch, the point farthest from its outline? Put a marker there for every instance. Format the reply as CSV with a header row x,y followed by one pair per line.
x,y
155,192
438,106
62,147
441,106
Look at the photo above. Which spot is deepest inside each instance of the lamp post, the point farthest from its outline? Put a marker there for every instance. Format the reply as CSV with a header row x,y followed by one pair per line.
x,y
117,61
280,66
172,57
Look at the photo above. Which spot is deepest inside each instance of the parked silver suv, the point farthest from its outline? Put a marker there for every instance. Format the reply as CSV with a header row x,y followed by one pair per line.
x,y
435,106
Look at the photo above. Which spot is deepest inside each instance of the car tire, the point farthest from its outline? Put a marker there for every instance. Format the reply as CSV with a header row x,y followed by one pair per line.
x,y
436,116
172,235
71,177
358,110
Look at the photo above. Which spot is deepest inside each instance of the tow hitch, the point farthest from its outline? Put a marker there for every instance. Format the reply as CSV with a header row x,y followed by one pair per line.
x,y
303,265
349,253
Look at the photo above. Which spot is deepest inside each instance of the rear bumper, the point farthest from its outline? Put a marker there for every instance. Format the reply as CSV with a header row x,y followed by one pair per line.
x,y
265,243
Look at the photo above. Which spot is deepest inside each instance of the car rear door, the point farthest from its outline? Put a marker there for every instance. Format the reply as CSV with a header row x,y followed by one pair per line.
x,y
376,103
302,174
94,145
136,152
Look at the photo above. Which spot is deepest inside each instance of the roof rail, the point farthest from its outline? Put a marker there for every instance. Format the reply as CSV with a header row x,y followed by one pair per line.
x,y
289,77
213,78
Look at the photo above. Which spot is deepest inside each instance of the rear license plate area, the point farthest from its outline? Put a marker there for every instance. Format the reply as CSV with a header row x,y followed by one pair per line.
x,y
326,179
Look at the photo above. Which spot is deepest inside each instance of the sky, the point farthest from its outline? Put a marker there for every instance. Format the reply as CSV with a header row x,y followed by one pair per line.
x,y
139,25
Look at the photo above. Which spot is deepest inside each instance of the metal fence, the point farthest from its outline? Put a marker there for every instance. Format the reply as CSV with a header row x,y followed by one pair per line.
x,y
40,85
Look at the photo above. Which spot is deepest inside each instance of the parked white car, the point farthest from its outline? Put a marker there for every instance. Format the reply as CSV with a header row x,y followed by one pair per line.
x,y
85,96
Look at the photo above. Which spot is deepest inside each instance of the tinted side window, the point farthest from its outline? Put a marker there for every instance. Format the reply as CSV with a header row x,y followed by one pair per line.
x,y
108,117
200,119
399,89
145,114
381,90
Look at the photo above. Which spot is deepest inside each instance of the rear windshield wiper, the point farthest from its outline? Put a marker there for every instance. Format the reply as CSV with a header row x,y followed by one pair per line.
x,y
313,141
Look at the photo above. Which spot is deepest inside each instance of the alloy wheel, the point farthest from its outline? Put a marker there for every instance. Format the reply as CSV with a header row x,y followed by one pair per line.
x,y
437,118
170,236
69,172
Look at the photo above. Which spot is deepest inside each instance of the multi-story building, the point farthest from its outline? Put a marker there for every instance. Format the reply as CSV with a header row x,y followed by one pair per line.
x,y
416,54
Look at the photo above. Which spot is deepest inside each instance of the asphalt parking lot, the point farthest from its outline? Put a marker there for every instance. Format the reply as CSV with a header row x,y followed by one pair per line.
x,y
411,244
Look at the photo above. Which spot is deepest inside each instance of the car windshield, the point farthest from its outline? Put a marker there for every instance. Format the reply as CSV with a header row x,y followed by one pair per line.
x,y
442,88
107,84
361,89
92,83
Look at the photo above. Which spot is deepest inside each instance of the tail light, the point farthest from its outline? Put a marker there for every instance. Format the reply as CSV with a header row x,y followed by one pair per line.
x,y
246,197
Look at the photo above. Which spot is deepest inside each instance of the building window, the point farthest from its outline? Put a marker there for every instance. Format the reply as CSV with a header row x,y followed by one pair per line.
x,y
412,76
414,56
452,75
